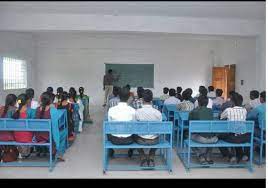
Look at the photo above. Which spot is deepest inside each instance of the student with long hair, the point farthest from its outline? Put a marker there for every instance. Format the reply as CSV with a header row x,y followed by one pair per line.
x,y
30,94
23,112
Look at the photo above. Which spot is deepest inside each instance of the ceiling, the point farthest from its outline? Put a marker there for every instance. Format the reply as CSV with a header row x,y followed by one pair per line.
x,y
235,10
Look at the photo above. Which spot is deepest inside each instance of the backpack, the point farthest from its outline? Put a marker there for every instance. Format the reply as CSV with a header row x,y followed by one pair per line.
x,y
8,153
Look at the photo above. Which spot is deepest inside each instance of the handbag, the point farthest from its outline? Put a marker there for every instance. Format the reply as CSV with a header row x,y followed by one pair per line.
x,y
9,153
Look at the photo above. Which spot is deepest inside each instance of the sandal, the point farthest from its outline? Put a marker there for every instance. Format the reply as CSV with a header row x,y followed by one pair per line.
x,y
143,163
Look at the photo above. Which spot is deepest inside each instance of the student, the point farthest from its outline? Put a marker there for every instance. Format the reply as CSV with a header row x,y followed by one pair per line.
x,y
211,93
137,103
186,104
85,100
203,91
178,94
254,100
172,99
115,99
50,89
23,112
236,113
147,113
121,112
6,112
258,114
190,93
165,95
64,104
229,102
32,103
58,95
202,112
200,88
130,95
77,117
219,100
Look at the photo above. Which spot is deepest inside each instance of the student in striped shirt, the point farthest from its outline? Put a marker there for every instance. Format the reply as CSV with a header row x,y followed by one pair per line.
x,y
137,103
236,113
186,104
147,113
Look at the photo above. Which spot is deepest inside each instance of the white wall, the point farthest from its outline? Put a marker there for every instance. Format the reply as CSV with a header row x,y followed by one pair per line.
x,y
21,46
66,59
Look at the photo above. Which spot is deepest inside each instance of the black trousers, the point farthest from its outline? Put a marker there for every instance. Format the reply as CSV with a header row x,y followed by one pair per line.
x,y
143,141
120,140
232,138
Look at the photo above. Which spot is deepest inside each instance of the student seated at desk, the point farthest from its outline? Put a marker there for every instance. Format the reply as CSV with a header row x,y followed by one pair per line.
x,y
217,103
186,104
203,91
178,94
58,95
50,91
147,113
254,100
33,104
130,95
211,93
236,113
229,102
114,100
165,95
203,113
121,112
6,112
258,114
137,103
190,93
172,99
23,112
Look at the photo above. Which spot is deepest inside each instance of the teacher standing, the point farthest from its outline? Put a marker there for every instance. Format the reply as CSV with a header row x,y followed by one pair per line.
x,y
108,81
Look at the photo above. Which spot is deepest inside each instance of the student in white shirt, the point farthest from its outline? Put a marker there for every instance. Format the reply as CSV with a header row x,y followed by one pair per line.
x,y
114,100
254,100
121,112
203,91
172,99
147,113
219,100
32,103
236,113
165,95
211,92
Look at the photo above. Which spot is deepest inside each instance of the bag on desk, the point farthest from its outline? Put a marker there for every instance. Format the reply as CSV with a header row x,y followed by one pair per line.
x,y
8,153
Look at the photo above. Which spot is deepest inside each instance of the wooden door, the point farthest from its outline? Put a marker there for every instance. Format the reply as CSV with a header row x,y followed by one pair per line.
x,y
219,79
230,69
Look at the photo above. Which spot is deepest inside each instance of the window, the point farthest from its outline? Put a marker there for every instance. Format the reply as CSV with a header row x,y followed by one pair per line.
x,y
14,73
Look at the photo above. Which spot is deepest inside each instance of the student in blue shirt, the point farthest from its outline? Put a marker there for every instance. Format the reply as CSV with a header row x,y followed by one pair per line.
x,y
258,114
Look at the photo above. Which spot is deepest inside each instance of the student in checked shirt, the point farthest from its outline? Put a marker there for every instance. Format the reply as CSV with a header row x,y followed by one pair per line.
x,y
236,113
186,104
147,113
254,100
121,112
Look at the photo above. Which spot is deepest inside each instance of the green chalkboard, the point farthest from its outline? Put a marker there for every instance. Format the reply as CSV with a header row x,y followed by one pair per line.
x,y
133,74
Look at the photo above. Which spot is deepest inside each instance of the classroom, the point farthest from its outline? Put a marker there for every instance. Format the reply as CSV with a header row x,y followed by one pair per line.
x,y
133,89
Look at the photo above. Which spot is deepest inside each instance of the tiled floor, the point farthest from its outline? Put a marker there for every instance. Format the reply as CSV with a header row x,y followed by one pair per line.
x,y
84,160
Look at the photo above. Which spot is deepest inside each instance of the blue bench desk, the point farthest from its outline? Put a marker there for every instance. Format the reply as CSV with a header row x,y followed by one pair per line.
x,y
169,110
216,127
159,103
260,141
164,129
40,125
182,118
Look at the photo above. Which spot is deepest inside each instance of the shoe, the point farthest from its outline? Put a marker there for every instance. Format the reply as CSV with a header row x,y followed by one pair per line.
x,y
245,158
130,153
150,162
202,160
233,160
144,163
209,161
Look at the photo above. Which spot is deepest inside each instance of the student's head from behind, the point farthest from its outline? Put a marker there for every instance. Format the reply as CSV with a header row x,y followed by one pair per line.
x,y
201,87
190,91
203,91
147,96
219,92
231,94
72,89
45,99
140,91
238,99
165,90
110,71
64,96
263,97
179,90
202,100
30,93
254,94
124,94
172,92
128,87
186,95
210,88
59,90
10,101
22,100
116,91
50,89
